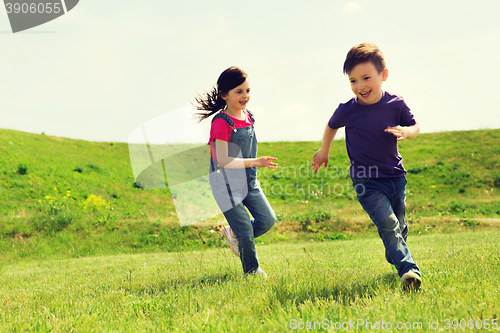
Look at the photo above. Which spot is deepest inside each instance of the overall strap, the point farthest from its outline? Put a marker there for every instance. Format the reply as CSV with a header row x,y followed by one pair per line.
x,y
224,116
228,120
251,116
215,166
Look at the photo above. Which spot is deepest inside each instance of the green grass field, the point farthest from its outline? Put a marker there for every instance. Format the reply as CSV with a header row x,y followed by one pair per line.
x,y
65,198
83,248
329,283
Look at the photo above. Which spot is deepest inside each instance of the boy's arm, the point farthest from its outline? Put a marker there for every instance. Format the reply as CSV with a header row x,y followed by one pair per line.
x,y
404,132
225,161
323,154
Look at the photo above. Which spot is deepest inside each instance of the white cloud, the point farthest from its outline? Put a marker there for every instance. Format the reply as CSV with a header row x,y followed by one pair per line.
x,y
107,67
352,7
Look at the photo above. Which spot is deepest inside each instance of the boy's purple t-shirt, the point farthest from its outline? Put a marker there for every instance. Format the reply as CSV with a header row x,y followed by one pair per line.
x,y
373,152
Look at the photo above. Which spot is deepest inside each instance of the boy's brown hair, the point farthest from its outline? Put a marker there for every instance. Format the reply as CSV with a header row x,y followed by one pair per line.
x,y
364,52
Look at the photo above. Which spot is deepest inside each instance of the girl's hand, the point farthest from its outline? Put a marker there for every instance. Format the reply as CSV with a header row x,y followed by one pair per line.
x,y
398,131
319,158
265,162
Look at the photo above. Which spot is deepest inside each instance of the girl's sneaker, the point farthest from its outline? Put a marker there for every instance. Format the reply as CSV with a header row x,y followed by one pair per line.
x,y
231,240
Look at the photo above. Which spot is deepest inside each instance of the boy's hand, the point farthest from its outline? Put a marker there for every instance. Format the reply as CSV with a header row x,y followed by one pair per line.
x,y
265,162
319,158
403,132
398,131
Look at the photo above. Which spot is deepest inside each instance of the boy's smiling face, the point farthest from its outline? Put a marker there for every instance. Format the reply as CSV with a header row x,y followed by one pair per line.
x,y
366,82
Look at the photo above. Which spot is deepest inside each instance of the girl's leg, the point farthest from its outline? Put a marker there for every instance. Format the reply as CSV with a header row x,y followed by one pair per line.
x,y
241,225
246,229
263,215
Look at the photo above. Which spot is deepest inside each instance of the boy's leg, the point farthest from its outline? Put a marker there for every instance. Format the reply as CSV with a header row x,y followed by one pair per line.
x,y
398,203
374,196
264,216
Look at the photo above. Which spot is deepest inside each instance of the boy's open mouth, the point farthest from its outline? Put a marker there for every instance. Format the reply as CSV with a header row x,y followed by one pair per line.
x,y
366,94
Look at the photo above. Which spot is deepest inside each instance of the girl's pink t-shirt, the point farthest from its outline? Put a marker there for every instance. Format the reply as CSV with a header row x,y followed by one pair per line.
x,y
221,130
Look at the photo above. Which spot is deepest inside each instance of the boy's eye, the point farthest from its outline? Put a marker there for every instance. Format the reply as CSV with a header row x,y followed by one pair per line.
x,y
353,81
367,78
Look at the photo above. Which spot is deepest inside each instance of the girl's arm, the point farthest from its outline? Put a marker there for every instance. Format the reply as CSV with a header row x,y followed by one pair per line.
x,y
322,155
225,161
404,132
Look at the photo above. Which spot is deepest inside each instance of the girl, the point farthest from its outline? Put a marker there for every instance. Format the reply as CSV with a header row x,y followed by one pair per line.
x,y
233,166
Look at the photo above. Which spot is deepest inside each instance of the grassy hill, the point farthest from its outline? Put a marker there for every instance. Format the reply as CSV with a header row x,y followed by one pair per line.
x,y
64,197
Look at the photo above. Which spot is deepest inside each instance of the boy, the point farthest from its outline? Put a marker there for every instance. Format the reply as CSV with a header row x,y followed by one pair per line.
x,y
374,122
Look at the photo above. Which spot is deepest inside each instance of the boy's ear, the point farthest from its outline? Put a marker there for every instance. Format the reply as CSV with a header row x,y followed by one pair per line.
x,y
385,74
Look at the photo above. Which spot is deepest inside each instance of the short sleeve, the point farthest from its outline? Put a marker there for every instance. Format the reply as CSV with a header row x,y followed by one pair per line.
x,y
220,130
406,118
336,120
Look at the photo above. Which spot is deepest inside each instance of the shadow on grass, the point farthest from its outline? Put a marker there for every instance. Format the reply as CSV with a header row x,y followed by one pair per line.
x,y
323,289
180,283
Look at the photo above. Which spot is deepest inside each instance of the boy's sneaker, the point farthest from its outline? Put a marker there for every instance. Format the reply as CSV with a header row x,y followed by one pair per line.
x,y
231,240
411,281
261,273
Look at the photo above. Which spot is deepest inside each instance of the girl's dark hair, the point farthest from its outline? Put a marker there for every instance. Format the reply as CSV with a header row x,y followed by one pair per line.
x,y
211,102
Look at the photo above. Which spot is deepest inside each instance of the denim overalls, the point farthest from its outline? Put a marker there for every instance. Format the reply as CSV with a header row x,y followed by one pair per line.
x,y
233,189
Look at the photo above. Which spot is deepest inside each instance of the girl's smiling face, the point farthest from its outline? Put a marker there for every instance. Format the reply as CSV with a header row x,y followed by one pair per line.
x,y
366,82
237,98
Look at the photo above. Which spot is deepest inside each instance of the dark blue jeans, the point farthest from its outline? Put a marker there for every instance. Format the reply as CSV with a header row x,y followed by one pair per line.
x,y
384,199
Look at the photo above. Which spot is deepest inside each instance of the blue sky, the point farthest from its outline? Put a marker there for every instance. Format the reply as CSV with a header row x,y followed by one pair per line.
x,y
106,67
